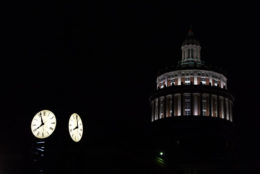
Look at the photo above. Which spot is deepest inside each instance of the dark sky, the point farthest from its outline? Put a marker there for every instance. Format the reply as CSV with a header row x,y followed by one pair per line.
x,y
101,58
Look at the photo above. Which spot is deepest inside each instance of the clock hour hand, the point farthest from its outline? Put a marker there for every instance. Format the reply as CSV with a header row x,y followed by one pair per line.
x,y
76,127
77,123
39,126
41,123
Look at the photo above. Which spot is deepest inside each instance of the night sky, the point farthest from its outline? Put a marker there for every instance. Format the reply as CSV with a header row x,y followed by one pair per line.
x,y
100,59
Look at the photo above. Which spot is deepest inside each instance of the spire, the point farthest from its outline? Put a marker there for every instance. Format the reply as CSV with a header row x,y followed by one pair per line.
x,y
190,32
190,38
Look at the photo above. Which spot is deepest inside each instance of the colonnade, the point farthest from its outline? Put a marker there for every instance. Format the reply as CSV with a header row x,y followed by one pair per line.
x,y
192,104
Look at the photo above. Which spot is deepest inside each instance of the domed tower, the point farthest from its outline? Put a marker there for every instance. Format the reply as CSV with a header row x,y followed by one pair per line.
x,y
191,111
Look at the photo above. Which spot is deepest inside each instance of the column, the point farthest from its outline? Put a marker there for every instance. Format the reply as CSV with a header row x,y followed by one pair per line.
x,y
177,104
195,104
179,80
168,105
195,53
199,53
152,105
201,105
191,104
210,105
156,109
219,108
164,108
207,104
222,114
162,114
230,110
181,107
227,108
214,106
172,105
195,79
210,80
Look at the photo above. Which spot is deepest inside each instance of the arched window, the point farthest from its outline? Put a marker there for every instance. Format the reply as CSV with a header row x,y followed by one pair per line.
x,y
192,53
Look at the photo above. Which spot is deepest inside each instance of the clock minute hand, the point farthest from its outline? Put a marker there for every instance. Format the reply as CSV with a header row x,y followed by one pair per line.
x,y
42,121
77,121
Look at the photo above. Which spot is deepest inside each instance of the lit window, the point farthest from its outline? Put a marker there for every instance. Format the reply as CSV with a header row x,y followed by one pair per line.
x,y
187,81
216,83
173,82
204,105
203,80
187,104
162,107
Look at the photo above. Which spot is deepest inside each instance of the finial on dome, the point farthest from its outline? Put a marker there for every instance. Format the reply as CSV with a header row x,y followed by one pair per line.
x,y
190,32
190,39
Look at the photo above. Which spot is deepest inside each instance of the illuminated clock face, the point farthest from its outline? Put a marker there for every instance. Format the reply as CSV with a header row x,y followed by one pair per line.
x,y
43,124
75,127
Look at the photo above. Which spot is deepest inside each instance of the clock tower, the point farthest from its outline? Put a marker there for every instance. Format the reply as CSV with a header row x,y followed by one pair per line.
x,y
42,126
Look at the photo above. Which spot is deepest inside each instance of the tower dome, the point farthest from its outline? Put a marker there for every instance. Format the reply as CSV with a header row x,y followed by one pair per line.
x,y
192,91
191,113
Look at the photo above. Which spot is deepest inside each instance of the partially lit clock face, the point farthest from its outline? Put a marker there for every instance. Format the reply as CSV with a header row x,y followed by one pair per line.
x,y
75,127
43,124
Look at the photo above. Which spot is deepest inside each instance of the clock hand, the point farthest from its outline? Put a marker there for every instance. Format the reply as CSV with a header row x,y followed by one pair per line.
x,y
77,123
39,126
75,128
42,123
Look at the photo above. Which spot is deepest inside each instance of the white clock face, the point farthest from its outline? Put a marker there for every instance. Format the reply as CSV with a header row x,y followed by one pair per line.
x,y
75,127
43,124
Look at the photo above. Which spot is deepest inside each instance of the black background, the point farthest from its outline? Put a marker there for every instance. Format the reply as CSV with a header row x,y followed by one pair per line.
x,y
100,59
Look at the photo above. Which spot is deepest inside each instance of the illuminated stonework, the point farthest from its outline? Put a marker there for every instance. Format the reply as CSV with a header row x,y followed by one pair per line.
x,y
191,88
192,77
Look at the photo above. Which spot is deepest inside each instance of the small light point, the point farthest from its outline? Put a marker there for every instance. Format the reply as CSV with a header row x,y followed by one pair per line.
x,y
161,153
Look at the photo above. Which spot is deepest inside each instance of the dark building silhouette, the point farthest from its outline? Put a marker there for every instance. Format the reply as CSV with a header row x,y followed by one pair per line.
x,y
192,117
